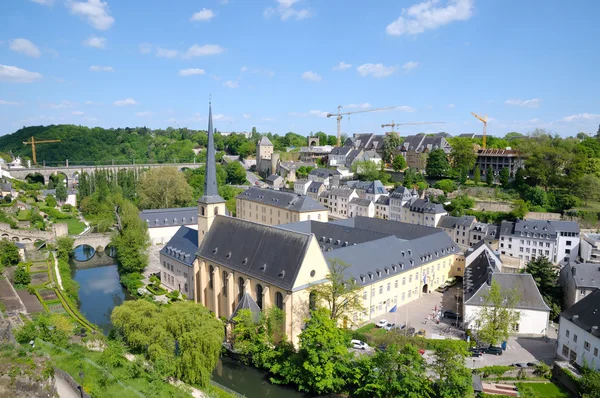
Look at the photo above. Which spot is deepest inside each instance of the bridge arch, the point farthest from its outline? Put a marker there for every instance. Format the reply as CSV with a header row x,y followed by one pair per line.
x,y
36,177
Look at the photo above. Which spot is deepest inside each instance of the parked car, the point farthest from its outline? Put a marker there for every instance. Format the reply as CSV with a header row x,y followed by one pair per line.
x,y
519,365
476,352
381,323
493,350
422,333
450,282
359,345
451,314
442,289
389,326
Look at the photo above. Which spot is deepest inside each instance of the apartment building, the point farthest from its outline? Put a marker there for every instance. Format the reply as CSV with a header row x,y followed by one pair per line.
x,y
590,248
337,201
578,280
382,207
361,207
499,159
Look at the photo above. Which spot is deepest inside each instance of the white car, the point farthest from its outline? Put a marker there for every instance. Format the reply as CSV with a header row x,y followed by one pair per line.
x,y
389,326
359,345
381,323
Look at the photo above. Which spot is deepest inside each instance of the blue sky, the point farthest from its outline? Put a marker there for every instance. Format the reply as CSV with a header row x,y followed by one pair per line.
x,y
281,65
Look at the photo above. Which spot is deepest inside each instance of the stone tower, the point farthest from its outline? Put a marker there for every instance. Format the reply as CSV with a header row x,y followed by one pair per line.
x,y
264,151
211,203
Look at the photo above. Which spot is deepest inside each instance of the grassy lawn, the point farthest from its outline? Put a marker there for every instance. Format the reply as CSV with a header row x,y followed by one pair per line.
x,y
75,226
591,206
546,390
24,215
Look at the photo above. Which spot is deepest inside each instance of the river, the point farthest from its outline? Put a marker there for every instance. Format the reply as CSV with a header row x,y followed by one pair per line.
x,y
100,292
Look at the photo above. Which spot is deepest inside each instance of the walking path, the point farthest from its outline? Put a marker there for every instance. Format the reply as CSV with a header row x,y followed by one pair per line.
x,y
58,279
63,388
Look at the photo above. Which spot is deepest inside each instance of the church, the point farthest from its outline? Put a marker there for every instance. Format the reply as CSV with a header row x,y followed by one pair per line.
x,y
231,263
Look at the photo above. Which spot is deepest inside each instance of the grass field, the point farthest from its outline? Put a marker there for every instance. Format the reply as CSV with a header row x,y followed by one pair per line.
x,y
75,226
24,215
546,390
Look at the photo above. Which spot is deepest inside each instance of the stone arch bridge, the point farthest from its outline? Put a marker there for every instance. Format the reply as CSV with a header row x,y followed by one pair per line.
x,y
72,172
96,240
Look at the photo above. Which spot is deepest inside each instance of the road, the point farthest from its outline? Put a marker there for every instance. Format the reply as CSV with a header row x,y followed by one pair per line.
x,y
252,178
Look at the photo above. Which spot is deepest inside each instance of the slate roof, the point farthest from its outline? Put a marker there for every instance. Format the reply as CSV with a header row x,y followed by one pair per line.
x,y
452,222
477,272
264,141
529,295
340,150
265,252
352,155
588,313
425,206
344,192
273,177
383,200
284,200
403,193
182,246
362,185
587,275
170,217
315,186
324,173
247,303
211,190
376,188
361,202
372,154
551,228
421,142
366,141
401,230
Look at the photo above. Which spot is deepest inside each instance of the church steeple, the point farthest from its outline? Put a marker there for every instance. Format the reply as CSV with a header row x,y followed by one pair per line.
x,y
211,190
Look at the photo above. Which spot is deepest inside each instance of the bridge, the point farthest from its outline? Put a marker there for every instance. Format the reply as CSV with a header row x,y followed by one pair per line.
x,y
72,172
96,240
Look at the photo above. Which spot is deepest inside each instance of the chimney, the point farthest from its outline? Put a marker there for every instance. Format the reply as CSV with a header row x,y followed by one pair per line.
x,y
594,329
574,270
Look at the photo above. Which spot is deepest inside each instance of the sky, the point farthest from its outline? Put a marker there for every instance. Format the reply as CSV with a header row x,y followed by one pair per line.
x,y
282,65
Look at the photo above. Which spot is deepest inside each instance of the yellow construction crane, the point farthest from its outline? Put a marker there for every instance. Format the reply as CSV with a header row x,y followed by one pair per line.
x,y
33,142
339,117
392,125
484,120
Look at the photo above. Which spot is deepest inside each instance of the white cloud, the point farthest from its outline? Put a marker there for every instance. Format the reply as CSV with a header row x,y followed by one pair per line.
x,y
125,102
426,16
318,113
59,105
143,114
311,76
77,113
231,84
145,48
96,68
204,14
44,2
405,108
201,51
285,10
26,47
95,11
215,77
268,119
88,102
4,102
376,70
12,74
313,113
166,53
342,66
410,65
244,69
532,103
246,116
581,116
191,72
451,106
96,42
363,105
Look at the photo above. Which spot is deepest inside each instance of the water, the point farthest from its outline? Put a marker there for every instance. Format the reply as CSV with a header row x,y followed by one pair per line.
x,y
83,252
99,292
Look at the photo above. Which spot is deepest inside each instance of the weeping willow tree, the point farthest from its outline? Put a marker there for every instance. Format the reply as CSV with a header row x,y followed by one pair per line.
x,y
182,340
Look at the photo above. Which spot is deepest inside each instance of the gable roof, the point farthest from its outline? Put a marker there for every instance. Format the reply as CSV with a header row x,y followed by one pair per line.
x,y
376,188
361,202
284,200
341,150
247,303
399,229
383,200
529,295
265,252
422,142
585,275
264,141
324,173
425,206
315,186
170,217
403,193
273,177
585,313
182,246
477,272
453,222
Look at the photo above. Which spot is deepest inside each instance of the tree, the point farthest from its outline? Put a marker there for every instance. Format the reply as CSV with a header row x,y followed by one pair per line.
x,y
504,177
520,209
588,188
399,163
182,339
64,248
236,174
50,201
340,295
303,171
391,142
489,176
131,239
400,373
463,175
589,384
545,275
454,377
365,170
477,175
9,253
460,204
163,188
437,164
498,314
22,276
463,155
445,185
535,196
61,192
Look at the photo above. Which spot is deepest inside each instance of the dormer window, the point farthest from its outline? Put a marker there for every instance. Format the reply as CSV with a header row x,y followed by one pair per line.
x,y
215,250
281,274
228,255
245,260
387,271
264,267
371,275
412,262
183,220
362,278
403,254
410,252
378,273
394,268
175,220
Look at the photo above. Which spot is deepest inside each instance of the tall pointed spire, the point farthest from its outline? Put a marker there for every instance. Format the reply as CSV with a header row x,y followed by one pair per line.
x,y
211,190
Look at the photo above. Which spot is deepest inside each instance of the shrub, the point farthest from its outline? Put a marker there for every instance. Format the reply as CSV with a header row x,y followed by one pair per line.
x,y
495,370
22,276
445,185
542,370
132,281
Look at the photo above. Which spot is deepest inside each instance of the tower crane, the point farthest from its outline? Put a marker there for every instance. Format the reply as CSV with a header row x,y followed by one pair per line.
x,y
392,125
484,120
340,113
33,142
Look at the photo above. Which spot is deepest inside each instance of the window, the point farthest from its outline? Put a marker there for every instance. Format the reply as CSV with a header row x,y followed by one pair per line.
x,y
240,288
165,264
409,292
404,281
259,296
409,278
521,249
372,292
575,338
582,292
388,286
364,294
568,243
372,309
381,289
403,297
211,269
396,284
515,327
225,283
565,351
279,300
312,301
186,287
595,351
567,251
586,345
567,333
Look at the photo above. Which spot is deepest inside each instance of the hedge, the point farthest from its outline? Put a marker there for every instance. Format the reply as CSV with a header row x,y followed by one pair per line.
x,y
495,370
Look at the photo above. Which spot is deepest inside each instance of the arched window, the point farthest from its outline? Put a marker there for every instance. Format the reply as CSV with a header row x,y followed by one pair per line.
x,y
210,276
312,301
240,288
259,296
201,210
225,283
279,300
216,211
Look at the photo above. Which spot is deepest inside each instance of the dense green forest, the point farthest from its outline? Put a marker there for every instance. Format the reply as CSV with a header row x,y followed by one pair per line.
x,y
84,145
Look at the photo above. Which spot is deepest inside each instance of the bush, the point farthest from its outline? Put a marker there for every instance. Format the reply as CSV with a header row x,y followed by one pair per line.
x,y
542,370
132,281
445,185
22,276
496,370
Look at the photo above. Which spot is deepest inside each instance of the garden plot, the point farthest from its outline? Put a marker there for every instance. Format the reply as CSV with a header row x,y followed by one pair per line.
x,y
47,294
39,278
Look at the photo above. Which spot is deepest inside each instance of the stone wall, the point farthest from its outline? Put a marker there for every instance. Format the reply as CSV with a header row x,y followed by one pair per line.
x,y
70,381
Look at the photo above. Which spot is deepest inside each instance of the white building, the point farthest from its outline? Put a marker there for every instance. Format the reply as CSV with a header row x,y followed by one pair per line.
x,y
483,268
301,186
371,156
590,248
337,201
578,334
578,280
177,261
337,156
164,223
398,198
528,239
326,176
423,212
361,207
